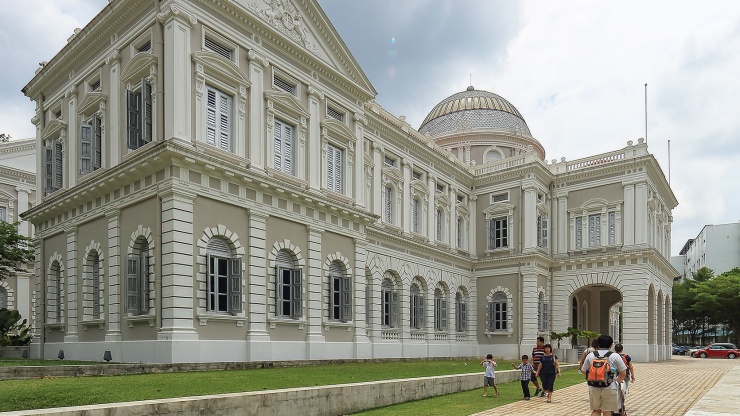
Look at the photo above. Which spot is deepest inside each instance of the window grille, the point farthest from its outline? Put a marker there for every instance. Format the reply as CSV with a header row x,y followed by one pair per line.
x,y
331,112
502,197
218,48
283,85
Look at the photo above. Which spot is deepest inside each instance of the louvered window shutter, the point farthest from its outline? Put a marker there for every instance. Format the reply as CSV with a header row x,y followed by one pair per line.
x,y
86,148
394,309
132,284
97,142
346,299
224,121
96,287
58,166
211,128
49,169
288,149
330,167
133,123
331,296
338,170
421,311
278,145
146,113
443,314
297,290
236,285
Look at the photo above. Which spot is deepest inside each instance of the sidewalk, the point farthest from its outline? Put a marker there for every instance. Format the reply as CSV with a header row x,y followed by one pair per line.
x,y
682,386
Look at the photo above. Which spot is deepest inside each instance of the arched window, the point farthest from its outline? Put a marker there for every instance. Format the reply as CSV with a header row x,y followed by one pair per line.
x,y
390,304
55,302
224,278
340,293
497,319
3,298
138,278
440,310
461,309
493,155
94,261
417,308
289,287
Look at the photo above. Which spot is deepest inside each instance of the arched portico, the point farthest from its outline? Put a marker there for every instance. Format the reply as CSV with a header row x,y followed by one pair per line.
x,y
595,313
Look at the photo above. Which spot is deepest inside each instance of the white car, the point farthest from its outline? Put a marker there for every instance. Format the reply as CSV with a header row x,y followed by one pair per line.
x,y
694,349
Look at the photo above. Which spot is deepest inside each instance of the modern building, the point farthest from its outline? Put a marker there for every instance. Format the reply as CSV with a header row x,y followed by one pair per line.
x,y
18,194
717,247
220,185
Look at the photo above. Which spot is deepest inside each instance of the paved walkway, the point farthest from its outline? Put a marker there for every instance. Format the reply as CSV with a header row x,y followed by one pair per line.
x,y
682,386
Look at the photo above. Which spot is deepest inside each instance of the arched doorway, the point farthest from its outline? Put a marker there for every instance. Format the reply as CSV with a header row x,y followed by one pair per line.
x,y
593,309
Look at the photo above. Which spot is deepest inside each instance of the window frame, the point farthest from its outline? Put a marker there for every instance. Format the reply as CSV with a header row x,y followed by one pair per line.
x,y
390,310
335,169
138,278
340,294
461,313
218,118
440,310
497,313
416,307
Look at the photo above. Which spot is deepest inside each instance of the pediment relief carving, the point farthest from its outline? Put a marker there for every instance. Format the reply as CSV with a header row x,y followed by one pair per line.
x,y
595,203
462,208
419,187
91,102
499,208
286,101
287,19
211,62
338,128
140,64
53,129
391,173
441,199
368,160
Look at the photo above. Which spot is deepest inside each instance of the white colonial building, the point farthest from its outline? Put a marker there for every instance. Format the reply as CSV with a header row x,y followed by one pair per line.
x,y
220,185
18,194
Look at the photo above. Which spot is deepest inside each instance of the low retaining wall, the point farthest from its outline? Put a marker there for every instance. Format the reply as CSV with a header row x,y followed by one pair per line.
x,y
339,399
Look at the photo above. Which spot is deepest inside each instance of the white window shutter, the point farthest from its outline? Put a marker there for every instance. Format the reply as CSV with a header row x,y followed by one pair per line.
x,y
346,299
132,284
224,121
211,129
278,145
297,292
145,126
288,149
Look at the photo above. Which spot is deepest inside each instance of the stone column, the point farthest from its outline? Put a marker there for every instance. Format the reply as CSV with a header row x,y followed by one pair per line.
x,y
629,214
257,139
113,287
472,230
641,213
72,277
406,207
530,218
363,349
177,267
257,298
452,221
112,138
431,211
37,121
315,142
378,180
562,228
178,83
359,165
71,153
315,348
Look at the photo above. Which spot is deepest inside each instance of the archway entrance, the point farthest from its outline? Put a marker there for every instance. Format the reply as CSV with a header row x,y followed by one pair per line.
x,y
597,308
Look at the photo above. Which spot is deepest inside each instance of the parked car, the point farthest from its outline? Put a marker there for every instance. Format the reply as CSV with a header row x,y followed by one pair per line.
x,y
695,349
718,350
681,350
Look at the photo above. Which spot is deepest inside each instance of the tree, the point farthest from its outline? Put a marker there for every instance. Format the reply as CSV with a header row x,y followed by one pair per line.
x,y
719,298
14,251
4,138
14,332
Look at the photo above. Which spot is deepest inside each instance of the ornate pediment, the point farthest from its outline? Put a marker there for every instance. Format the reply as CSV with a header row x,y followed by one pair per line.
x,y
595,203
338,128
287,101
53,129
211,62
392,174
287,19
142,64
499,208
419,187
91,102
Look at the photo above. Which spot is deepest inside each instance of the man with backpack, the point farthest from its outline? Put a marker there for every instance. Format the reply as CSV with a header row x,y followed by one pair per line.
x,y
605,371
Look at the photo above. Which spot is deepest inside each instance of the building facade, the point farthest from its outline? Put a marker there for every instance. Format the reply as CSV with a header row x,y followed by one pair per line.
x,y
717,247
17,194
220,185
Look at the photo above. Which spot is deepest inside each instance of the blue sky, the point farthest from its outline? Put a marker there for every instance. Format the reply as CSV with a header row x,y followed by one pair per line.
x,y
574,69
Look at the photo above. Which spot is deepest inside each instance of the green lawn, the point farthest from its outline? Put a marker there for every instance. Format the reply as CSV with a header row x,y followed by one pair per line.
x,y
468,402
57,392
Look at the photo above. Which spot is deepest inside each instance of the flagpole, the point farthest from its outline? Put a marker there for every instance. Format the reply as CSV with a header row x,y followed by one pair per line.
x,y
645,113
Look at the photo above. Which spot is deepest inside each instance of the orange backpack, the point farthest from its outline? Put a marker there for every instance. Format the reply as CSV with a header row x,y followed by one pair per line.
x,y
599,372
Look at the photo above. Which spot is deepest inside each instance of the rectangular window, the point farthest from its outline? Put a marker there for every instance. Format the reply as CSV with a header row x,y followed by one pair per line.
x,y
388,210
498,233
289,292
497,319
146,47
96,287
416,213
335,114
390,308
334,168
612,228
501,197
340,305
439,219
417,312
216,47
542,231
284,85
461,316
139,116
53,167
283,145
579,232
416,175
440,187
389,161
459,232
95,85
218,119
90,145
440,314
594,230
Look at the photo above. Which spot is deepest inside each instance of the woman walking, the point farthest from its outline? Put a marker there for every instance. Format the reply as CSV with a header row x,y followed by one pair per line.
x,y
547,369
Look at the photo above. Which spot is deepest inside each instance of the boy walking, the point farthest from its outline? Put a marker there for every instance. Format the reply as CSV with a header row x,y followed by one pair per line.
x,y
489,377
526,374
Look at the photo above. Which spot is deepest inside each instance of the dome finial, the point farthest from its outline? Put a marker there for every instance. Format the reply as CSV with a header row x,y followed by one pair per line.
x,y
470,86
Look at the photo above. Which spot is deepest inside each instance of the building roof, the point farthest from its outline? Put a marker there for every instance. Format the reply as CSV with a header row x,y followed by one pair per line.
x,y
474,109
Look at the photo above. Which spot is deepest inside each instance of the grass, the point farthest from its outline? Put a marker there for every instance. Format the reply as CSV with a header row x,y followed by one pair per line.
x,y
77,391
468,402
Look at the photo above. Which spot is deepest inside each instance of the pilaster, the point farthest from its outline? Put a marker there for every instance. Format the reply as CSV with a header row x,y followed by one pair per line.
x,y
629,214
473,229
361,308
39,316
530,218
70,334
562,230
112,132
257,296
314,337
406,196
359,165
377,180
177,265
72,160
431,223
528,297
452,221
641,213
115,311
315,144
178,83
257,128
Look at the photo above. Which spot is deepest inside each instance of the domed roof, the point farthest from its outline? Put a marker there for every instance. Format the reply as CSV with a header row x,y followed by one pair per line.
x,y
474,109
